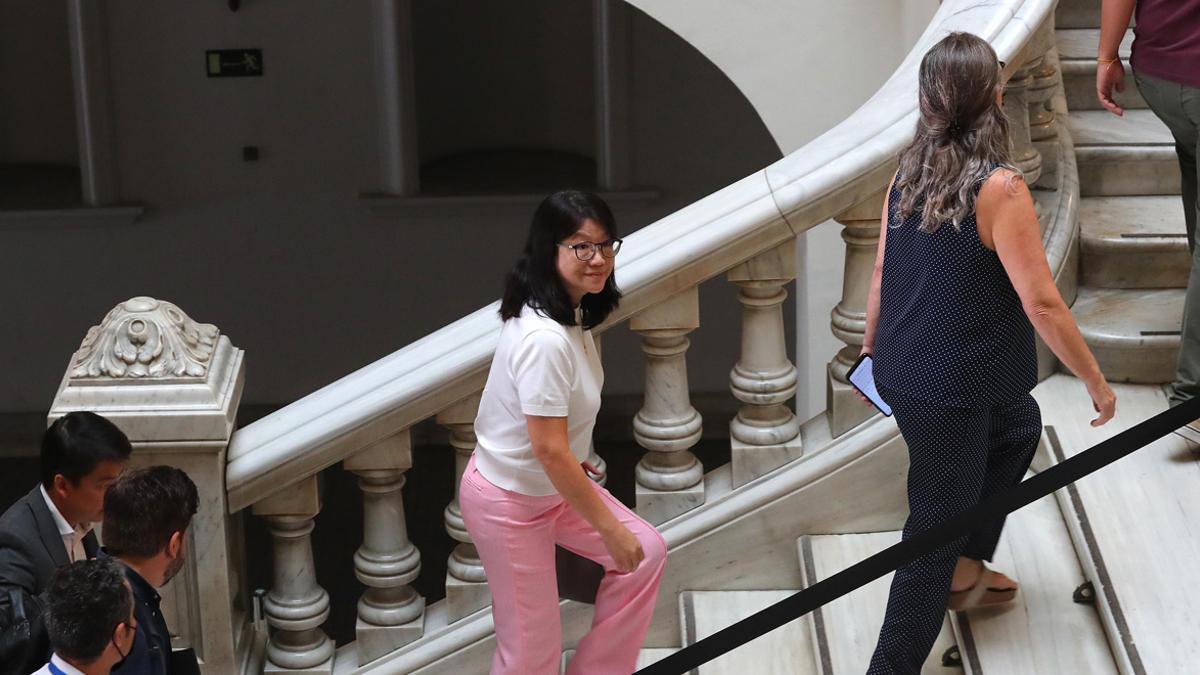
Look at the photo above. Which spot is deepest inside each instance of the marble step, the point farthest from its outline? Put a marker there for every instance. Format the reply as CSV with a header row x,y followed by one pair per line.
x,y
1044,632
1134,525
1077,14
1077,61
645,657
1133,333
1129,155
1133,242
787,650
847,629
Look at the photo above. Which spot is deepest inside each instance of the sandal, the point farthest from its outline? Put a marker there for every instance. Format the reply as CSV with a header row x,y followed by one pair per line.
x,y
988,590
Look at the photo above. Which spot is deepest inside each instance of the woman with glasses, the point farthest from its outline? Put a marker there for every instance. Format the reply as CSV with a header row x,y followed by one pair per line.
x,y
525,489
960,283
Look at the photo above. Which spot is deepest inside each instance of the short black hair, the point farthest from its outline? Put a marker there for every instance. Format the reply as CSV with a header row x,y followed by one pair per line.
x,y
84,603
144,507
534,279
77,442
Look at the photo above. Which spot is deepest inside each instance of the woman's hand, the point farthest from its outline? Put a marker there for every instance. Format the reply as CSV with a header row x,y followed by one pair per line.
x,y
1103,400
625,549
593,472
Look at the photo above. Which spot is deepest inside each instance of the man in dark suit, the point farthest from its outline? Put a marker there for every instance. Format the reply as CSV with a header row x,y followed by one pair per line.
x,y
146,517
82,454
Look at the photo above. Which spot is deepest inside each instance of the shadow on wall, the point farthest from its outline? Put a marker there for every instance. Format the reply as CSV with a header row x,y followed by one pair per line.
x,y
281,252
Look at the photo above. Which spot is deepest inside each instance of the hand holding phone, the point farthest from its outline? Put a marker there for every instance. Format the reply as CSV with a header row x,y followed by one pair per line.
x,y
863,380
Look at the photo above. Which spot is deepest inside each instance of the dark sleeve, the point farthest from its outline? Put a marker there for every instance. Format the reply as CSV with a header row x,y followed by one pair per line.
x,y
20,651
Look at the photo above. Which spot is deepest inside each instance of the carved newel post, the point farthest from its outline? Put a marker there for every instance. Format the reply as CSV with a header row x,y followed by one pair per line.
x,y
670,480
390,612
296,605
765,434
849,317
466,584
173,386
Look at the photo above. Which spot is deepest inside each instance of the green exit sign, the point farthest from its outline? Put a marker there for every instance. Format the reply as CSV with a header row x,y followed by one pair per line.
x,y
234,62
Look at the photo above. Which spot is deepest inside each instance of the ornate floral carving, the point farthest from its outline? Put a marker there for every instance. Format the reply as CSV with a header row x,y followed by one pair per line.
x,y
144,337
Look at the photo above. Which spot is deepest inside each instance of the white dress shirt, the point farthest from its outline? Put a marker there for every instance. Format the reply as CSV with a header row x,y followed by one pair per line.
x,y
72,535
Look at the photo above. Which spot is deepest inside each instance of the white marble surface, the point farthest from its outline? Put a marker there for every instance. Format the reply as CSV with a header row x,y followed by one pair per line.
x,y
851,623
645,657
1135,127
1133,242
786,650
1134,334
1043,632
1142,512
1080,44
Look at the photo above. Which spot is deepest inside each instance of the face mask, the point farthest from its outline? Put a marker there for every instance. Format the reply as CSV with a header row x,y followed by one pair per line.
x,y
125,654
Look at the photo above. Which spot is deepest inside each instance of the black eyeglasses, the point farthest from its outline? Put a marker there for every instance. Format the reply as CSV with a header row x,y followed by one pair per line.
x,y
586,250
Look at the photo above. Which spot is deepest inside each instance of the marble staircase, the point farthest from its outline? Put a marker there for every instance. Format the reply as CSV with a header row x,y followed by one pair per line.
x,y
1134,257
1134,527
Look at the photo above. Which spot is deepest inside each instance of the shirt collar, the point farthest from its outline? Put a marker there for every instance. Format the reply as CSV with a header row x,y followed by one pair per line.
x,y
65,667
64,528
141,588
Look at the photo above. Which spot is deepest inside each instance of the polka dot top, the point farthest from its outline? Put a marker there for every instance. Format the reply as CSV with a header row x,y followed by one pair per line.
x,y
951,328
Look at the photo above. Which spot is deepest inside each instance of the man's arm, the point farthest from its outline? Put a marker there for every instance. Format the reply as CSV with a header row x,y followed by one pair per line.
x,y
19,653
1110,72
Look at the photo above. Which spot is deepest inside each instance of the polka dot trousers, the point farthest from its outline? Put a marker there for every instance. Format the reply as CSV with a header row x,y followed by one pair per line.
x,y
957,458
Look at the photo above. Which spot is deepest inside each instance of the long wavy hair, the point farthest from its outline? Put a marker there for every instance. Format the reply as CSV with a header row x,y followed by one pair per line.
x,y
534,279
961,136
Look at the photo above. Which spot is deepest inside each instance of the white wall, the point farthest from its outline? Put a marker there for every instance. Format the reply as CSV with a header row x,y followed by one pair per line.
x,y
804,65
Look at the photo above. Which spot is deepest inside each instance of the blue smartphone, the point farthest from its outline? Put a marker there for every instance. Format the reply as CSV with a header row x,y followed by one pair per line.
x,y
862,379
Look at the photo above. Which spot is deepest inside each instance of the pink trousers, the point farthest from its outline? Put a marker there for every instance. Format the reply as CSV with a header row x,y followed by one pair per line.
x,y
515,535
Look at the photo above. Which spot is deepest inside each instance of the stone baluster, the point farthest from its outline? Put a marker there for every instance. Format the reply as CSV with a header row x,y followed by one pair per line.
x,y
670,480
390,612
765,434
466,584
296,605
1016,108
849,317
1043,124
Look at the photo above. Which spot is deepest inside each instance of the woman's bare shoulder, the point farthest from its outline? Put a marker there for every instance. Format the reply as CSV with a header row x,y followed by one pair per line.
x,y
1002,185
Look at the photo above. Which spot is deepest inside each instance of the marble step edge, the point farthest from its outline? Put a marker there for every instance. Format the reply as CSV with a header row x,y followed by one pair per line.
x,y
817,632
1083,538
646,656
1073,37
1145,224
1125,337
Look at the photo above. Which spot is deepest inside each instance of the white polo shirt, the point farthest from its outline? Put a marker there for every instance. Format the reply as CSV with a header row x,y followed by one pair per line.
x,y
540,368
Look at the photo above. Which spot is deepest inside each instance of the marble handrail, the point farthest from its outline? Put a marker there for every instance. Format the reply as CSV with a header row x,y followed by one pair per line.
x,y
751,216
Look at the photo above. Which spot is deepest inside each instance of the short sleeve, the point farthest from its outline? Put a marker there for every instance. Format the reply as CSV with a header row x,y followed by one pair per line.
x,y
543,371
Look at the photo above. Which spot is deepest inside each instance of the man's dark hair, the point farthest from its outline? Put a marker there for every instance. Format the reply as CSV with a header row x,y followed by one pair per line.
x,y
84,603
144,507
76,443
534,279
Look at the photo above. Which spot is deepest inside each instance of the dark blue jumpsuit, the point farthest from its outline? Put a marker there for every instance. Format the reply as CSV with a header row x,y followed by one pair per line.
x,y
955,359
